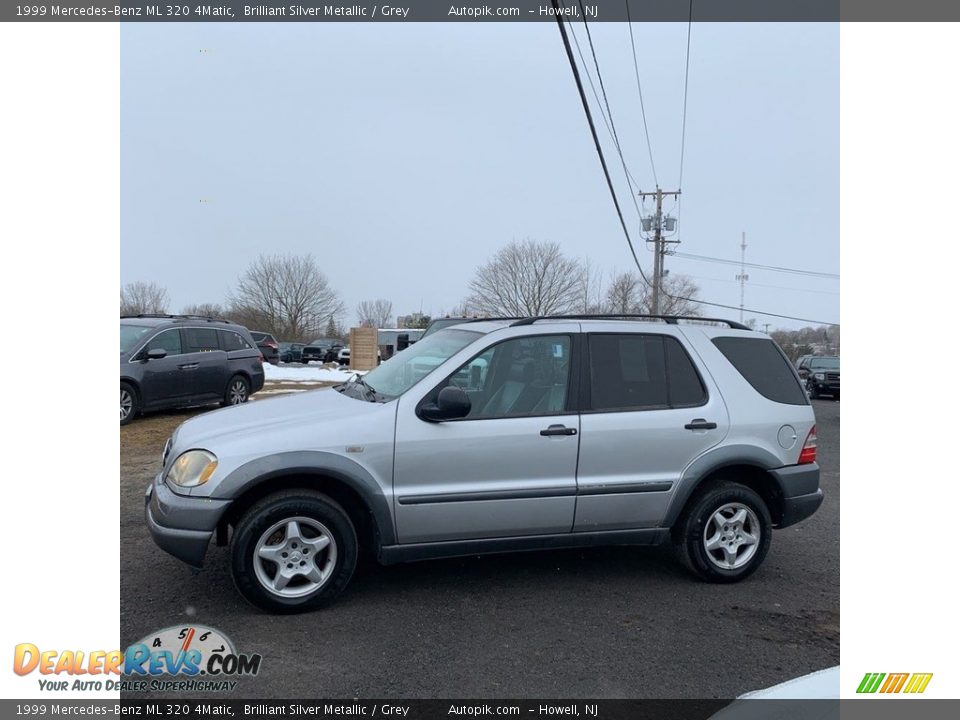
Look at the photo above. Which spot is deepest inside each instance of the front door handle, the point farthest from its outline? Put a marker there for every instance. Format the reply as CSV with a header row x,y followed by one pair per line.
x,y
558,430
189,366
700,424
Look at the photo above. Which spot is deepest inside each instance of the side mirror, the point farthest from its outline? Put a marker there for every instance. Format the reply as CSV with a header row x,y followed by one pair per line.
x,y
156,354
452,403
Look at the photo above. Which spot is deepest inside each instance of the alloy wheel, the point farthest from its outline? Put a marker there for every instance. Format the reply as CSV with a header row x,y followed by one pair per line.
x,y
238,392
731,536
126,403
295,557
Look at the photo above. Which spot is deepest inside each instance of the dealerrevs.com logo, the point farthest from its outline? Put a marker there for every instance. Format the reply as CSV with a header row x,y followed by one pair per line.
x,y
910,683
176,659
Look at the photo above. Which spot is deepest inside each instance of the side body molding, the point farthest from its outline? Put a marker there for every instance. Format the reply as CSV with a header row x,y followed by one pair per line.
x,y
319,464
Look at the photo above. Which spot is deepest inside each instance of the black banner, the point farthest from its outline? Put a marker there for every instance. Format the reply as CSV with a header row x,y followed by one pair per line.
x,y
452,11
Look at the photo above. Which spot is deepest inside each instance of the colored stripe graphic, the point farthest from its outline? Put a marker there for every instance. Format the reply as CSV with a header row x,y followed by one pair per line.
x,y
918,682
895,683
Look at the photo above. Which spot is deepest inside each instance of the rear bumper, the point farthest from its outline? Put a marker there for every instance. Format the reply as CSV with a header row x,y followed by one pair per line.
x,y
182,526
800,489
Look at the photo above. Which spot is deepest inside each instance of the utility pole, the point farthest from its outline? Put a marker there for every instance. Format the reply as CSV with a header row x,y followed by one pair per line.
x,y
659,244
742,277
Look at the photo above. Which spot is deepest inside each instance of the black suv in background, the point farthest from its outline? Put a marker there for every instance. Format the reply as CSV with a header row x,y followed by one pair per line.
x,y
821,374
171,361
268,345
321,350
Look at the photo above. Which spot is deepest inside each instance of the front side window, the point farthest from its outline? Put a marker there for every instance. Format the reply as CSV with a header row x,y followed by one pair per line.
x,y
130,335
168,340
521,377
200,340
642,372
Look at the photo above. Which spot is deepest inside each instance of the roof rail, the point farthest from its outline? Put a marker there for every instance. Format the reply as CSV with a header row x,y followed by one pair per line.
x,y
168,316
669,319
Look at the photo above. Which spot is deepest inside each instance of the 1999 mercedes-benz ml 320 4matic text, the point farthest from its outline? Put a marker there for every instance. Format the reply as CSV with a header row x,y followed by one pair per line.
x,y
500,435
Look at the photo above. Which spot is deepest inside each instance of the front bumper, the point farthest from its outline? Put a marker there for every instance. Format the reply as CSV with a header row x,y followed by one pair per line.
x,y
800,489
181,525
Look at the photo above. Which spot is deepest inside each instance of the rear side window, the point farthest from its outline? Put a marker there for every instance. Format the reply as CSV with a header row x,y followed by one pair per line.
x,y
200,340
642,372
230,340
764,366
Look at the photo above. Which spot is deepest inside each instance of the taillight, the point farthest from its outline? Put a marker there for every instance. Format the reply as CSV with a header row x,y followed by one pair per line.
x,y
809,453
260,358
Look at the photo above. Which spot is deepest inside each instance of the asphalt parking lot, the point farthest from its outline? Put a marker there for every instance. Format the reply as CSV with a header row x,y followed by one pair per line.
x,y
597,623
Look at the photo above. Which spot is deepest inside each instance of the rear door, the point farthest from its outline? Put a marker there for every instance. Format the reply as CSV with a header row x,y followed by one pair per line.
x,y
205,362
647,413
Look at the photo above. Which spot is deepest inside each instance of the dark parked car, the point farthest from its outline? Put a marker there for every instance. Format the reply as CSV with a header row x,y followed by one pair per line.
x,y
821,374
291,352
171,361
268,345
322,350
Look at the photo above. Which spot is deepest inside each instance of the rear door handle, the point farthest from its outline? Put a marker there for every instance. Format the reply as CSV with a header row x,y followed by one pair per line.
x,y
189,366
558,430
700,424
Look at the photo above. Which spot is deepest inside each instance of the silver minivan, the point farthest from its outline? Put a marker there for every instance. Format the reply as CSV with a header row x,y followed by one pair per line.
x,y
502,435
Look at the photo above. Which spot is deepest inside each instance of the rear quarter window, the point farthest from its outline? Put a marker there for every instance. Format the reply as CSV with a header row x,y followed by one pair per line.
x,y
764,366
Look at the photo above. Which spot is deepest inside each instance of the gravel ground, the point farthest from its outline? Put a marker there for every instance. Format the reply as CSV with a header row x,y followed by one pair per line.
x,y
596,623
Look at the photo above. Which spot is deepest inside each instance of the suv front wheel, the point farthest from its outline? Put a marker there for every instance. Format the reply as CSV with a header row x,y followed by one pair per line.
x,y
293,551
725,534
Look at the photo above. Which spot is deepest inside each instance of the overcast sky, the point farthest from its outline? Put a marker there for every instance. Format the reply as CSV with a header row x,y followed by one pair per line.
x,y
403,155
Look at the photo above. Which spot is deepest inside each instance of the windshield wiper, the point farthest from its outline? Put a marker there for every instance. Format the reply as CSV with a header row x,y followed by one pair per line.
x,y
372,395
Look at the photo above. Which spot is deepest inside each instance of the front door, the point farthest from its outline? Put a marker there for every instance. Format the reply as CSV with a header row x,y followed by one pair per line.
x,y
163,383
509,467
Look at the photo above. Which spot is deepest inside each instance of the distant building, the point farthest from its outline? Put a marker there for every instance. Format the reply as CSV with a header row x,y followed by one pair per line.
x,y
413,320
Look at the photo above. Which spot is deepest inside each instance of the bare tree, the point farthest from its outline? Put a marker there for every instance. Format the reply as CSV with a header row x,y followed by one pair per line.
x,y
528,278
286,295
214,310
679,296
143,297
626,294
375,313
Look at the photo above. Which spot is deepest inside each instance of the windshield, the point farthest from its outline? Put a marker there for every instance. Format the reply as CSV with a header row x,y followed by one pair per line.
x,y
404,370
130,335
825,363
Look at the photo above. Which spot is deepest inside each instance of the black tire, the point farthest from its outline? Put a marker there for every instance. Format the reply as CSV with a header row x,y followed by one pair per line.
x,y
280,507
237,392
128,393
695,520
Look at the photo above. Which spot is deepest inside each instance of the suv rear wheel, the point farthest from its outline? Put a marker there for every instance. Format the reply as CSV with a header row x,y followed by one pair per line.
x,y
293,551
725,534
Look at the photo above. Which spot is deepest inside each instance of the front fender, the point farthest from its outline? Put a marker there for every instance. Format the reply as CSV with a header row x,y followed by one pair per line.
x,y
316,463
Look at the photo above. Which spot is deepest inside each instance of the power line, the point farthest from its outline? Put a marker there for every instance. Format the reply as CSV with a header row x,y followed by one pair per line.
x,y
686,79
593,133
643,112
774,268
613,194
606,102
631,182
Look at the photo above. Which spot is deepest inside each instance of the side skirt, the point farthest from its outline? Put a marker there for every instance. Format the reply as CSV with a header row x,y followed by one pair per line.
x,y
392,554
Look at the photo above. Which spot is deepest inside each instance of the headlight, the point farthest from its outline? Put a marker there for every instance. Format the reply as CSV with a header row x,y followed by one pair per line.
x,y
818,376
192,468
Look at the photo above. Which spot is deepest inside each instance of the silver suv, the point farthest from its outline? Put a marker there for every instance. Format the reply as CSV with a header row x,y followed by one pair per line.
x,y
496,436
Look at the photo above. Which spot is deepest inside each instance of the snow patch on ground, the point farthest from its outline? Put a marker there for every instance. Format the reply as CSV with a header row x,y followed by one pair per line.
x,y
313,374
